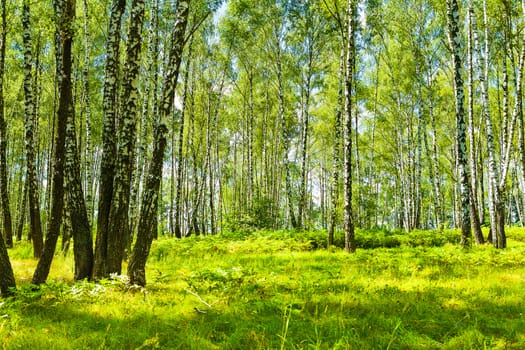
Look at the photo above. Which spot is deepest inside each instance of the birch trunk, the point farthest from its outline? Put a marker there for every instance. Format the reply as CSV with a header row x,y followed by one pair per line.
x,y
474,218
464,182
496,205
7,222
285,139
178,198
149,109
86,98
336,164
22,210
148,215
65,110
436,182
7,278
109,146
118,226
30,139
347,136
305,139
76,203
521,126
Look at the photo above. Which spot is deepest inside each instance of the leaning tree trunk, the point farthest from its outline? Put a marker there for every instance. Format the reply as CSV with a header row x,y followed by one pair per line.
x,y
347,135
30,132
461,135
109,147
65,109
148,215
119,230
7,278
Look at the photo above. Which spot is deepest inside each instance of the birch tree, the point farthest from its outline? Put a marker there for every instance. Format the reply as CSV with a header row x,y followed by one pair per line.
x,y
285,130
109,147
474,218
75,200
119,230
347,134
177,206
7,278
310,30
86,100
148,214
461,136
521,124
76,203
495,187
4,190
30,132
65,111
336,152
149,109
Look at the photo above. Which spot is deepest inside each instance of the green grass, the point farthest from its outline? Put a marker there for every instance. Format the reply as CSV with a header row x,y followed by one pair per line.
x,y
273,290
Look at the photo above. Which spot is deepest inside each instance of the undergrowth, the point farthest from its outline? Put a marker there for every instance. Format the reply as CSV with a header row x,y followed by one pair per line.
x,y
283,290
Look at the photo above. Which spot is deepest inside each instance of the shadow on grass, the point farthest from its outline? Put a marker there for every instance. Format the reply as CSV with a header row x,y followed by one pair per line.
x,y
333,316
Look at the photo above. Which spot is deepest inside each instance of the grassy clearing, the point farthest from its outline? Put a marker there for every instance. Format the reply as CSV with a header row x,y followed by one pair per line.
x,y
274,291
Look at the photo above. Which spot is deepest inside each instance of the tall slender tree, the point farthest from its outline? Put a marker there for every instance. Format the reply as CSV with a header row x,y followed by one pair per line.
x,y
177,210
285,130
86,99
30,132
7,278
76,204
461,135
65,111
310,29
148,215
495,191
149,109
433,150
4,192
521,124
336,164
474,218
347,124
109,145
119,230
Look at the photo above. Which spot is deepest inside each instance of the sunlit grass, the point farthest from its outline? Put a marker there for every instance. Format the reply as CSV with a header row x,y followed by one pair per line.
x,y
272,291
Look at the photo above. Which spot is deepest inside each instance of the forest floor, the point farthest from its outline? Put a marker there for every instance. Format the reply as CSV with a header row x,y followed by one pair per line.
x,y
277,290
